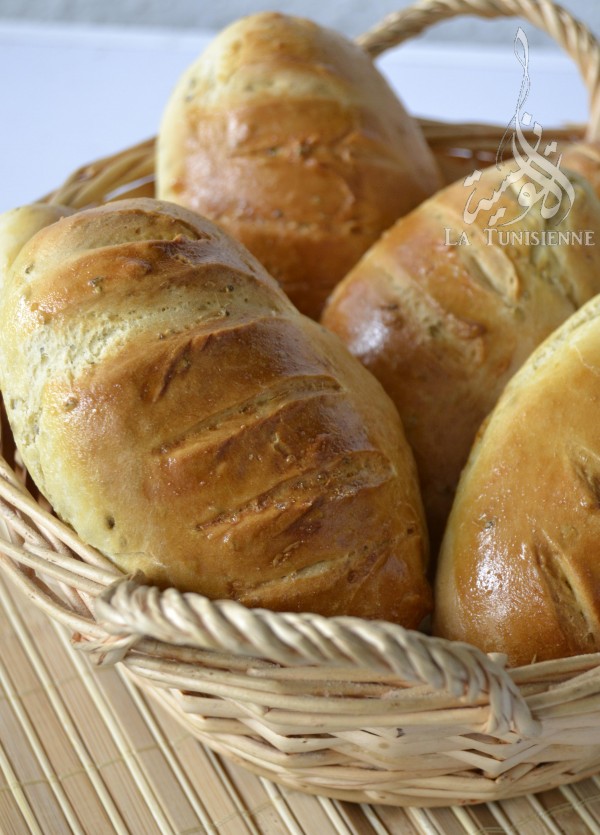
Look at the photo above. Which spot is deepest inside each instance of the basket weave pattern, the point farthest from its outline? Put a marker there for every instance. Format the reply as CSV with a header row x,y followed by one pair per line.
x,y
351,709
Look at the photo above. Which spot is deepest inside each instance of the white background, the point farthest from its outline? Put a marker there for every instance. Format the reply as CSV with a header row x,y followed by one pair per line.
x,y
71,93
349,16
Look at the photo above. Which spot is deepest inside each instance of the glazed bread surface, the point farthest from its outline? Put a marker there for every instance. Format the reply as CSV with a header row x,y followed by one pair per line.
x,y
287,135
519,569
188,422
444,326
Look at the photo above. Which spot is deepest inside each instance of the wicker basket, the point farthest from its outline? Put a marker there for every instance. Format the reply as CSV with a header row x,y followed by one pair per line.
x,y
351,709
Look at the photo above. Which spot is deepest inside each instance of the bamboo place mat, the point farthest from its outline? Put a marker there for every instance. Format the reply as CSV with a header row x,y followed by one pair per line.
x,y
83,750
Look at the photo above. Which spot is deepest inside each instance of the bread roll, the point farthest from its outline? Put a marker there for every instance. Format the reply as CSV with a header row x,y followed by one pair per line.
x,y
584,158
444,326
18,225
286,134
187,421
519,570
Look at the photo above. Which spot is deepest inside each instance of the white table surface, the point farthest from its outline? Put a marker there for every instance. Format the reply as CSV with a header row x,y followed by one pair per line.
x,y
72,94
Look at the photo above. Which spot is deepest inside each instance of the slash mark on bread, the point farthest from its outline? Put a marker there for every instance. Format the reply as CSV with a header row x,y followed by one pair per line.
x,y
555,570
586,464
253,409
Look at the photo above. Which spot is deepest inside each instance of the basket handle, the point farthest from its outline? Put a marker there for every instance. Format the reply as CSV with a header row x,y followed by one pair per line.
x,y
131,611
572,35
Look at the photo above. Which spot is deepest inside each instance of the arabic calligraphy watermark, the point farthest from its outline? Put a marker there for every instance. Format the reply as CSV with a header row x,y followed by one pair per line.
x,y
533,175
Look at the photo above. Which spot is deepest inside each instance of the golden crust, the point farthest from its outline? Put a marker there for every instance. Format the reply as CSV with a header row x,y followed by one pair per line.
x,y
187,421
519,570
286,135
584,158
443,327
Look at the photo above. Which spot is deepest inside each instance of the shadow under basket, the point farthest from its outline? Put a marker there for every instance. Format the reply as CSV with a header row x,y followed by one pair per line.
x,y
351,709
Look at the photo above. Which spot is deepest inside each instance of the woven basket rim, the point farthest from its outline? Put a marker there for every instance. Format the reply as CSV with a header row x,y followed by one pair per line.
x,y
118,618
163,639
